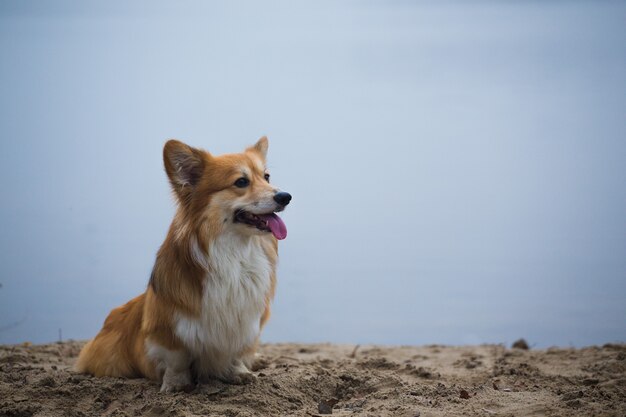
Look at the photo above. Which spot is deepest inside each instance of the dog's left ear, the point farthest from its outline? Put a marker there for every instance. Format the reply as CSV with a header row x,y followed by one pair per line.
x,y
260,147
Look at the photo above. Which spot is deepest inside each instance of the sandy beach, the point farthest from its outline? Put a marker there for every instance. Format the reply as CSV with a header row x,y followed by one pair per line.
x,y
344,380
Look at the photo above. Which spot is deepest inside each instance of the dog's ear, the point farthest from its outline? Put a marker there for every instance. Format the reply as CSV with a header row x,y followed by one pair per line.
x,y
260,147
184,166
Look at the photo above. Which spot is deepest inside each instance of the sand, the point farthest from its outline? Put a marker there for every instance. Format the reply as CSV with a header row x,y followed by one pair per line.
x,y
311,380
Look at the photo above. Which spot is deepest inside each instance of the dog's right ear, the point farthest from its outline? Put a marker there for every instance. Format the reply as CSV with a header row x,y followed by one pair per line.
x,y
184,166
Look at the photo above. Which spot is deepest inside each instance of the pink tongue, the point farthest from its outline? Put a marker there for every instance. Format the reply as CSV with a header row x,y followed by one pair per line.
x,y
276,225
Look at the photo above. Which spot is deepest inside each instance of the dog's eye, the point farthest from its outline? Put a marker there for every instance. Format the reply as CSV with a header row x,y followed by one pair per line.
x,y
267,177
242,182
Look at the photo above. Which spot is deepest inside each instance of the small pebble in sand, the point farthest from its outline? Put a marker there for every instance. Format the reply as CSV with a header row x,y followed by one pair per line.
x,y
326,406
520,344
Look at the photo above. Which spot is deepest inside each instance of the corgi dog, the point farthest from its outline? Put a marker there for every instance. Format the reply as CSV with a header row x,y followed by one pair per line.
x,y
213,280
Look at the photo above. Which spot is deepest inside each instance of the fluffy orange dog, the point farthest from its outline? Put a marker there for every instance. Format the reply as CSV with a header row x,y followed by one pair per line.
x,y
213,280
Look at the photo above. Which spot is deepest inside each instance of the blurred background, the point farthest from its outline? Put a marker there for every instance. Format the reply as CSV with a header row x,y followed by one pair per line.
x,y
458,167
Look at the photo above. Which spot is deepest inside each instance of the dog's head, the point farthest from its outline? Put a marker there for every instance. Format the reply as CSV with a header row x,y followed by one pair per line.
x,y
228,192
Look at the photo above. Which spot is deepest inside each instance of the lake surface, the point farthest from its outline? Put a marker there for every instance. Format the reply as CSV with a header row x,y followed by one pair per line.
x,y
458,168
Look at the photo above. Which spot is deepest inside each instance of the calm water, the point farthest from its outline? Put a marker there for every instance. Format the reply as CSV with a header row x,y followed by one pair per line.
x,y
458,168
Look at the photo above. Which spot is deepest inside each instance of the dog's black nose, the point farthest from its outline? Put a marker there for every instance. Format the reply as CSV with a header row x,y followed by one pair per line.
x,y
282,198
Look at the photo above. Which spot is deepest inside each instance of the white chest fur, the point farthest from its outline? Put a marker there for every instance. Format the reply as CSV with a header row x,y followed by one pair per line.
x,y
234,297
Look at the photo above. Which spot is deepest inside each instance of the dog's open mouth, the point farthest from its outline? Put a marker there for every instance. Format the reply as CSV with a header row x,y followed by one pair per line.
x,y
267,222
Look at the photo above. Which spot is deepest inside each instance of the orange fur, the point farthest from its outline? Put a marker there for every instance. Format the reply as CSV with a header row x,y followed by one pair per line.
x,y
203,186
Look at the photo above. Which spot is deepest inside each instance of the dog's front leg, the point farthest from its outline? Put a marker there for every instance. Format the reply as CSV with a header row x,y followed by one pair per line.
x,y
174,366
177,378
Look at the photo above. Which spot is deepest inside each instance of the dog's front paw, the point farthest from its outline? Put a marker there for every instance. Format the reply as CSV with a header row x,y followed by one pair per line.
x,y
242,378
175,382
240,374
